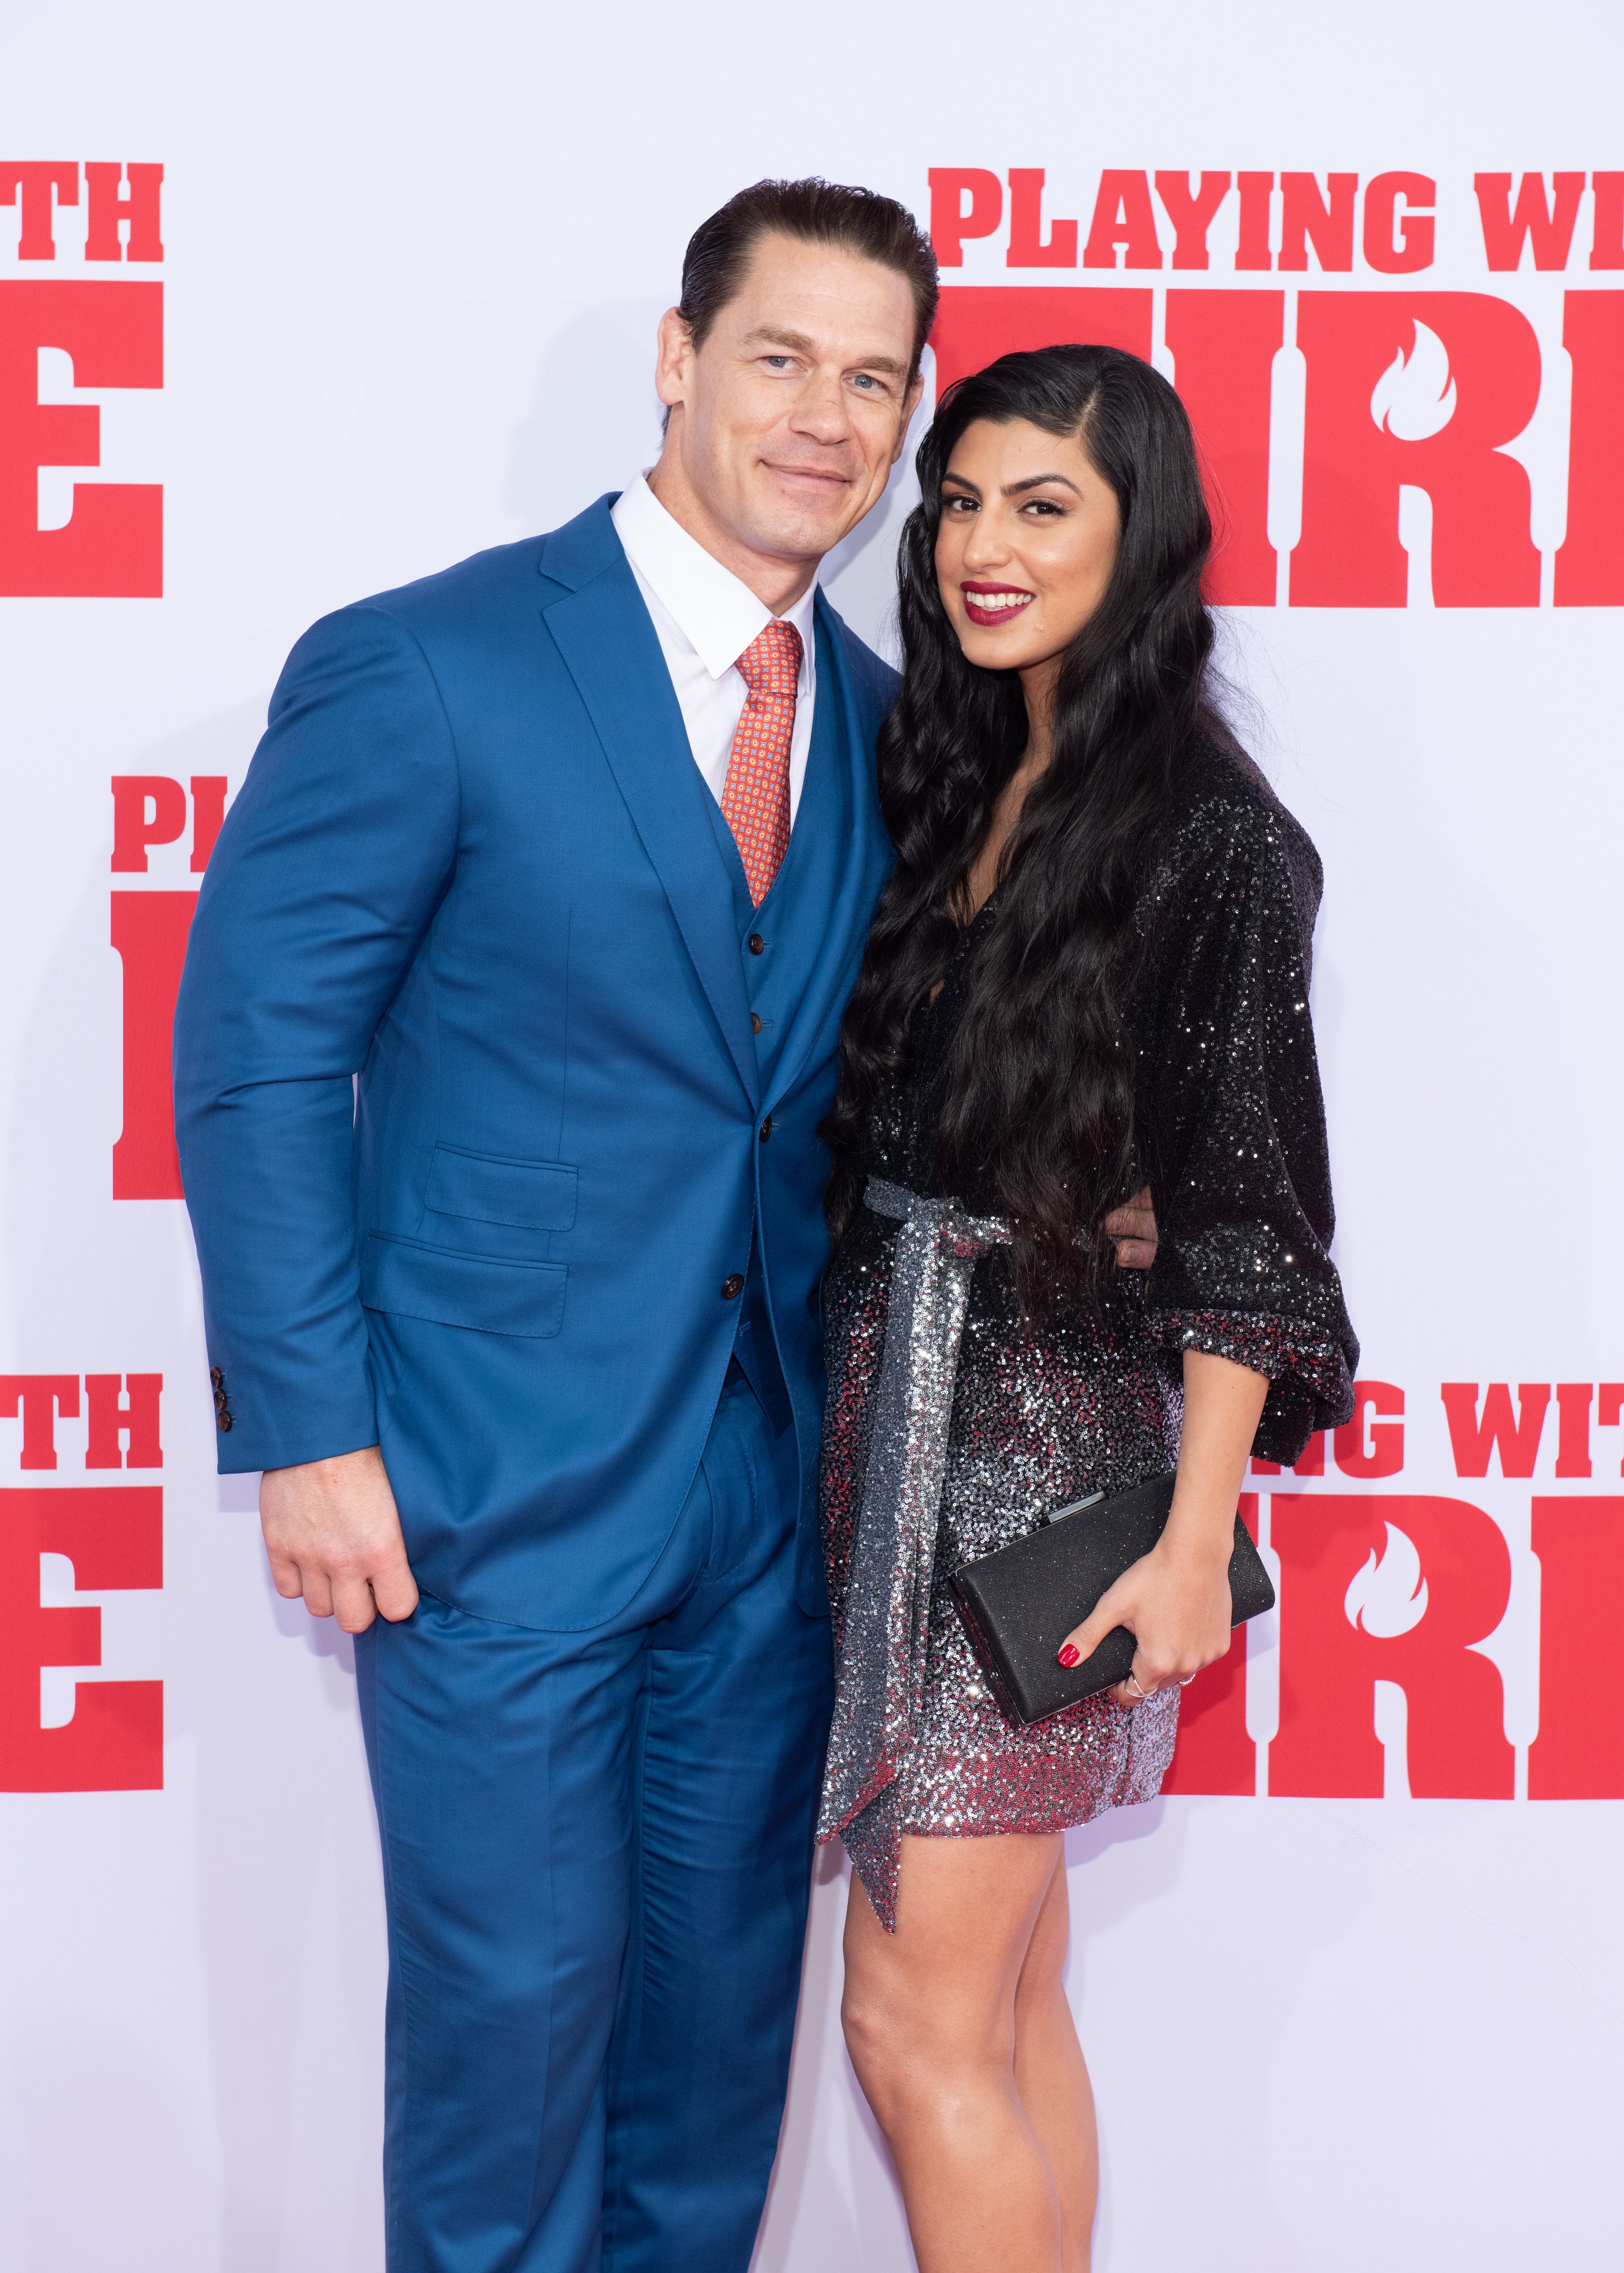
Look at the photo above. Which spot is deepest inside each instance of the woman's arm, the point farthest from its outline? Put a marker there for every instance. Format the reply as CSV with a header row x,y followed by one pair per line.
x,y
1234,1121
1175,1599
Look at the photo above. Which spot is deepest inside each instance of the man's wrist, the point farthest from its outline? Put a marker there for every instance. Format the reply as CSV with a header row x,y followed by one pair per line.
x,y
326,1461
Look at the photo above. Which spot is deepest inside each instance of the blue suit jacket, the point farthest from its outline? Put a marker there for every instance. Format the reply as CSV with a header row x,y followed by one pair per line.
x,y
472,863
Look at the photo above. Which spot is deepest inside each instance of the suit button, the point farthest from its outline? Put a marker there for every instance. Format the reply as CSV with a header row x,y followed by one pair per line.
x,y
755,1023
757,944
766,1128
215,1377
732,1287
223,1422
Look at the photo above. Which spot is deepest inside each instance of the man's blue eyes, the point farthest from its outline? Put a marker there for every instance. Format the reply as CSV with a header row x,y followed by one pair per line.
x,y
861,378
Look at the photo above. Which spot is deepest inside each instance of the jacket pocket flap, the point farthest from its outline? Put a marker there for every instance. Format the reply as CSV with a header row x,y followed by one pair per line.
x,y
539,1194
449,1289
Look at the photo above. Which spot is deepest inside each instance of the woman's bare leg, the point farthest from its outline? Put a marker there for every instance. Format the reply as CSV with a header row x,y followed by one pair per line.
x,y
931,2020
1052,2077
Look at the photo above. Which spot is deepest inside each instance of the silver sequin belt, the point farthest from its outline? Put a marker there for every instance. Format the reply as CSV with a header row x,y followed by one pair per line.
x,y
885,1637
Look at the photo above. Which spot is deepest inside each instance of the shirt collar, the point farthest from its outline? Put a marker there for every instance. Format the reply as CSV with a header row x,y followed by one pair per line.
x,y
717,614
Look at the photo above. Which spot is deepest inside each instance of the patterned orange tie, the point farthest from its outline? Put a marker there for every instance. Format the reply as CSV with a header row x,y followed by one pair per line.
x,y
756,801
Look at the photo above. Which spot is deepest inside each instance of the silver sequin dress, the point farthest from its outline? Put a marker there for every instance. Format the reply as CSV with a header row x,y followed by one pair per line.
x,y
1231,1126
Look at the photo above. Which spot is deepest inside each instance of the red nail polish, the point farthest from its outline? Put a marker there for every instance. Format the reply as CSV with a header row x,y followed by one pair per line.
x,y
1068,1653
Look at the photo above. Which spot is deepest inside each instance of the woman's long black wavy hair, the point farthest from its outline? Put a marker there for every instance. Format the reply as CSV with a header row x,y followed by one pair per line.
x,y
1038,1119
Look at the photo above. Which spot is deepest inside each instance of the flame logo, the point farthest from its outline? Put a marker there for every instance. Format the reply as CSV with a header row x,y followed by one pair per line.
x,y
1415,396
1389,1597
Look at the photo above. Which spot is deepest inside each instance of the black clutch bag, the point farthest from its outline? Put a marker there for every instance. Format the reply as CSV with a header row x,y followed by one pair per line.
x,y
1019,1605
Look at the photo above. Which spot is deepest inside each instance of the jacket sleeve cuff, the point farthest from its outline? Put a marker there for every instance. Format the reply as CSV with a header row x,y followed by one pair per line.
x,y
258,1441
1310,1384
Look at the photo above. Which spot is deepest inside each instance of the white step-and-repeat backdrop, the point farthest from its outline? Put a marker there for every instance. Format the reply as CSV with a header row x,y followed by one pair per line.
x,y
300,302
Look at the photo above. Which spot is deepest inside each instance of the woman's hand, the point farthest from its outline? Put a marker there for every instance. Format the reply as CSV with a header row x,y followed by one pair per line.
x,y
1176,1604
1175,1599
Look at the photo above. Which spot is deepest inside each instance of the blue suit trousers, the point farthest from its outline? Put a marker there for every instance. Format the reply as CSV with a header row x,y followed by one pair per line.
x,y
597,1853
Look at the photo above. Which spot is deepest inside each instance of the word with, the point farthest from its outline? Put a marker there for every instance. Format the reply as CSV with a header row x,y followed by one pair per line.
x,y
123,218
1371,1446
121,1409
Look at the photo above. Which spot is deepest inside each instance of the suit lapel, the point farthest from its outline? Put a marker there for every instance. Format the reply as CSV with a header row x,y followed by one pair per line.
x,y
610,647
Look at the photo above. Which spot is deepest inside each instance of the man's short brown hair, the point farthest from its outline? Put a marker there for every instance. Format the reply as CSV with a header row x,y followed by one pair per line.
x,y
818,212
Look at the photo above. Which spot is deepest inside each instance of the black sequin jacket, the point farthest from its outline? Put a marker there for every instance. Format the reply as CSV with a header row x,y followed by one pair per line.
x,y
1229,1124
1231,1118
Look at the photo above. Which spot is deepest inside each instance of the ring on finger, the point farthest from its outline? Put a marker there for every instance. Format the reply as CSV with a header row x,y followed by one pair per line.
x,y
1185,1682
1144,1695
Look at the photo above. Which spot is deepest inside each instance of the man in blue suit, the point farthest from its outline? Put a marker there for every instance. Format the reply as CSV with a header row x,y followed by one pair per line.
x,y
508,1019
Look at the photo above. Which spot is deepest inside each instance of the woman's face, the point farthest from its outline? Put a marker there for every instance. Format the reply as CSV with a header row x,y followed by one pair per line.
x,y
1026,544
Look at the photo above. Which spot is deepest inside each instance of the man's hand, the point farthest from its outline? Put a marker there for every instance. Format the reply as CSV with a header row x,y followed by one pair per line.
x,y
1133,1227
332,1534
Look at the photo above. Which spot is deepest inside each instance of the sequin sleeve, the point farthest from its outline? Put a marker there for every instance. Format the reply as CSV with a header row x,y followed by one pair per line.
x,y
1233,1118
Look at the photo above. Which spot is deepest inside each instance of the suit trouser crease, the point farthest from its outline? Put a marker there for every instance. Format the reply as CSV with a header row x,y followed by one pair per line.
x,y
597,1855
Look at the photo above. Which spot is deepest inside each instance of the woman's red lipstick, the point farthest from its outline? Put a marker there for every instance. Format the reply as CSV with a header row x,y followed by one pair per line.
x,y
1004,611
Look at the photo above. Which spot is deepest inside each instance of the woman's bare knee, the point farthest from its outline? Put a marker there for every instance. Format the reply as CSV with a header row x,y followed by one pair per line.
x,y
912,2050
915,2071
877,2043
889,2032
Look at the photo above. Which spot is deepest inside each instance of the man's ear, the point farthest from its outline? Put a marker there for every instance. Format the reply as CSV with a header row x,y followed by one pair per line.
x,y
673,360
910,405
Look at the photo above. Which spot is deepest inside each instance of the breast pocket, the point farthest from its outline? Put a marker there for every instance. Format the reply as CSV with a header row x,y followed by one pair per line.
x,y
534,1195
485,1293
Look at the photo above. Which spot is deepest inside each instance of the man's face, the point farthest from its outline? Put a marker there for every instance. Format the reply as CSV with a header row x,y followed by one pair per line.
x,y
787,420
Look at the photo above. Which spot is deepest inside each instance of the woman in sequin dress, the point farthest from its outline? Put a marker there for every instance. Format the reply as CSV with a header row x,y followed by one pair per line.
x,y
1089,970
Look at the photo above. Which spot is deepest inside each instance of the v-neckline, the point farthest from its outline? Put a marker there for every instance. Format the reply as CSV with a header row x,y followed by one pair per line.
x,y
966,933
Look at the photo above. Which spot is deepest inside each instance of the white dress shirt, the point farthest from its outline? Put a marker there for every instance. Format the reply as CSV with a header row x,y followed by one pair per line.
x,y
705,618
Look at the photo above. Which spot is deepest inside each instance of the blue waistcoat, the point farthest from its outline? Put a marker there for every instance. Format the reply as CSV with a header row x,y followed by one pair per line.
x,y
773,981
475,865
